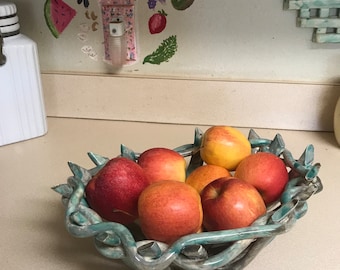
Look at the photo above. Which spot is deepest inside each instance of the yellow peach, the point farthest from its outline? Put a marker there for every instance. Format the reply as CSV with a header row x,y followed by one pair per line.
x,y
224,146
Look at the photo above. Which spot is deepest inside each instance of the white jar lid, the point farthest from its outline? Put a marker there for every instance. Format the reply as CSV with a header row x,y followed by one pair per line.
x,y
9,21
7,9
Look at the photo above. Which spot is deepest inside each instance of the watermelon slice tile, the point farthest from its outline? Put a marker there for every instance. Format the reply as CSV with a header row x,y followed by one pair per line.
x,y
58,15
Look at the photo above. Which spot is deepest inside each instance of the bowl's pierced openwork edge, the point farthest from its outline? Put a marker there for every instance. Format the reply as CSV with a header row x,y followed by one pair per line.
x,y
232,249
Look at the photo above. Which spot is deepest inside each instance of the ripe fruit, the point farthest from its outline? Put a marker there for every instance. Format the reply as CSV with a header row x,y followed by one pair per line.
x,y
157,22
266,172
205,174
169,210
113,192
224,146
162,164
230,203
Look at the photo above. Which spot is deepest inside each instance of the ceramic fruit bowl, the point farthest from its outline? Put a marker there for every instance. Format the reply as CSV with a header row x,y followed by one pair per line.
x,y
227,249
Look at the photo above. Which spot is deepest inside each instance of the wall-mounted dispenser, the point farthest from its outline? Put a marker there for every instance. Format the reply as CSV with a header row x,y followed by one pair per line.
x,y
119,32
117,42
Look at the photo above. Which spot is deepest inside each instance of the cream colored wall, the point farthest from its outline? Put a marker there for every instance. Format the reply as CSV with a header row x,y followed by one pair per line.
x,y
220,39
196,102
242,63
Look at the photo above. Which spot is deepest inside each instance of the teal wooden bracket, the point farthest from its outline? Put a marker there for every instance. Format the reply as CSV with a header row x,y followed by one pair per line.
x,y
321,15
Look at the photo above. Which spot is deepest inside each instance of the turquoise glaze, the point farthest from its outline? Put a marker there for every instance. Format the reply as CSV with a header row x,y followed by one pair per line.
x,y
320,15
228,249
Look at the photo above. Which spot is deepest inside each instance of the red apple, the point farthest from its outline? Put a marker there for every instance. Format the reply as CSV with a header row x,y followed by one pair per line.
x,y
163,164
168,210
266,172
230,203
113,192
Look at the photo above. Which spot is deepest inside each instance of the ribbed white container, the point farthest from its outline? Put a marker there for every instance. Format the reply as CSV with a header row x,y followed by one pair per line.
x,y
22,112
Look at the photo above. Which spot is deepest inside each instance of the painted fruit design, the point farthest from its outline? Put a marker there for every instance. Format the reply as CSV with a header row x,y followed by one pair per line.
x,y
157,22
164,52
152,3
58,15
181,4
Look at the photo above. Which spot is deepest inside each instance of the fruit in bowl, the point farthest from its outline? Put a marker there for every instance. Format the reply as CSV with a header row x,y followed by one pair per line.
x,y
158,210
161,163
224,146
114,191
266,172
168,210
230,203
204,175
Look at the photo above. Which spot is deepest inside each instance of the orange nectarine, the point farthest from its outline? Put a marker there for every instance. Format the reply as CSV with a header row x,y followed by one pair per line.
x,y
203,175
224,146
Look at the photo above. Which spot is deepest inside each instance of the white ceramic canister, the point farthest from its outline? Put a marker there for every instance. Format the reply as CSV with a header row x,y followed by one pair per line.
x,y
22,112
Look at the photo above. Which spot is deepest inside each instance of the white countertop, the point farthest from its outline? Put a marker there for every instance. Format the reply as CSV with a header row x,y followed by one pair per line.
x,y
32,229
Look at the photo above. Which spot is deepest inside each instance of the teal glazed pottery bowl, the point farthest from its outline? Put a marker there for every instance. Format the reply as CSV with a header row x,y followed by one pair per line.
x,y
228,249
